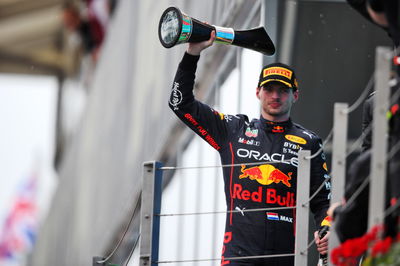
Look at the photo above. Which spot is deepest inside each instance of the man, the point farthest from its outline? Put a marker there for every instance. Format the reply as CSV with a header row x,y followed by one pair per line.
x,y
273,141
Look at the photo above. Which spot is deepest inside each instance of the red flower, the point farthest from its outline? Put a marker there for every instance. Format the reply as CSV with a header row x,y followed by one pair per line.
x,y
335,256
373,233
348,252
381,246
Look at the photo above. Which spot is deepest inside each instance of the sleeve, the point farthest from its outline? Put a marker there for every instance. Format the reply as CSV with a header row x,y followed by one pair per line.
x,y
202,119
351,220
366,123
319,176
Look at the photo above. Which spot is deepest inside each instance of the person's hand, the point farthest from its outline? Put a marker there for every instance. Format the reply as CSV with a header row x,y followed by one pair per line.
x,y
196,48
322,244
332,208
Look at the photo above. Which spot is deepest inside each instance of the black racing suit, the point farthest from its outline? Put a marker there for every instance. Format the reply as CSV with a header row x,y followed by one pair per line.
x,y
271,183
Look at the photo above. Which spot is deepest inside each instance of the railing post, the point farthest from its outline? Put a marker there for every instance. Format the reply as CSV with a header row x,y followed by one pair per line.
x,y
338,173
377,186
302,210
97,261
149,214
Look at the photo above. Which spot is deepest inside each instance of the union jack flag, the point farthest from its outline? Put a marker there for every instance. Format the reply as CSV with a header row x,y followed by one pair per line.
x,y
20,226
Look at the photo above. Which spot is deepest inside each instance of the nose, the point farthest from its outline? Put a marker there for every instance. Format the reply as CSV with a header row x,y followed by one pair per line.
x,y
276,94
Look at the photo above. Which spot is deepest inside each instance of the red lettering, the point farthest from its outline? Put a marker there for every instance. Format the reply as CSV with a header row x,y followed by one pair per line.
x,y
292,200
281,201
273,198
190,118
227,239
244,194
202,131
223,261
212,142
257,196
237,188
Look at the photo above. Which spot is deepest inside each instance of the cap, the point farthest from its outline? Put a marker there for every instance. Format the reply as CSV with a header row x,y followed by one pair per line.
x,y
278,72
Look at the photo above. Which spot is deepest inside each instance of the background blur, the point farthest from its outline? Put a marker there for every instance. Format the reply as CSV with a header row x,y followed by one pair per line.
x,y
84,87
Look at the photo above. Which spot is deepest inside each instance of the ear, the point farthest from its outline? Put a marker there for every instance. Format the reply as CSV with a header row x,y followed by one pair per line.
x,y
295,96
258,92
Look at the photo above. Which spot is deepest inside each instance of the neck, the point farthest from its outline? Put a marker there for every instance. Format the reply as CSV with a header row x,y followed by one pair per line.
x,y
272,118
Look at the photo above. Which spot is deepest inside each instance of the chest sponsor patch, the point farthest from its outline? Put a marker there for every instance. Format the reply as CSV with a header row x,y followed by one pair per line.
x,y
266,174
296,139
274,157
249,142
263,194
251,133
289,147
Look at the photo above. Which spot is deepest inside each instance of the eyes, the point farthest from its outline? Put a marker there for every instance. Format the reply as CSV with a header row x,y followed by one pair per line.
x,y
279,89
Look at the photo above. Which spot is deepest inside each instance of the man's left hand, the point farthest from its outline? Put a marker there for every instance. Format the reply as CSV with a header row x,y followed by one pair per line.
x,y
322,244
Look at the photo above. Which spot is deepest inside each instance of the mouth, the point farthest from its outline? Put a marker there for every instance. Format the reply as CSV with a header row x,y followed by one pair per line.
x,y
275,105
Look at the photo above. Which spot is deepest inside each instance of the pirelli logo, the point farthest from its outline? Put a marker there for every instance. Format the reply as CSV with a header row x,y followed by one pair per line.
x,y
278,71
296,139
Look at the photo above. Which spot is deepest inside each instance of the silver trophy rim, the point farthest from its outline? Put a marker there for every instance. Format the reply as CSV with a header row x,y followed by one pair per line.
x,y
166,45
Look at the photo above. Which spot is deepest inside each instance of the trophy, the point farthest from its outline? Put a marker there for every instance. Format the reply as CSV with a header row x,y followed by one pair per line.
x,y
176,27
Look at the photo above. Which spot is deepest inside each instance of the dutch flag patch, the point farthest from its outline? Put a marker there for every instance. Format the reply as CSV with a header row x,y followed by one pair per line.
x,y
272,216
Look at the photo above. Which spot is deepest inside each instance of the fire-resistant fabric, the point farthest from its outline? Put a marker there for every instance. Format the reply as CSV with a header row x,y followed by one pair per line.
x,y
271,182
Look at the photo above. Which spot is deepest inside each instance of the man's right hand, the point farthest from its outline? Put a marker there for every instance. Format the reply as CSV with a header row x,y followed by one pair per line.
x,y
195,48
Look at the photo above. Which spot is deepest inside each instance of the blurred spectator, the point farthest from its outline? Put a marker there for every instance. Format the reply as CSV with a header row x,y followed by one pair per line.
x,y
89,21
384,13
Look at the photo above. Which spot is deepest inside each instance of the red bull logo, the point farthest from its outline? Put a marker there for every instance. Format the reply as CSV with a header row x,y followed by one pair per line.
x,y
266,174
278,129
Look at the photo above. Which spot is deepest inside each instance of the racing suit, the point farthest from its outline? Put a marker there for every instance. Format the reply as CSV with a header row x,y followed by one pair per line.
x,y
271,183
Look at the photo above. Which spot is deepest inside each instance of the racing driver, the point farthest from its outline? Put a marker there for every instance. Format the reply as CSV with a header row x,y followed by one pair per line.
x,y
272,142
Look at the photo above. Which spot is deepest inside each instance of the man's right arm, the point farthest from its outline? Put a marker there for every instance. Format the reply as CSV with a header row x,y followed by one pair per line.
x,y
202,119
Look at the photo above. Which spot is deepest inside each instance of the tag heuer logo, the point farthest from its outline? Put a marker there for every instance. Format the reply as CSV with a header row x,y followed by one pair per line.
x,y
251,133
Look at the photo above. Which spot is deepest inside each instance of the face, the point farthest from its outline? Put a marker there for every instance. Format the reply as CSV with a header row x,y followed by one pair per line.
x,y
276,101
